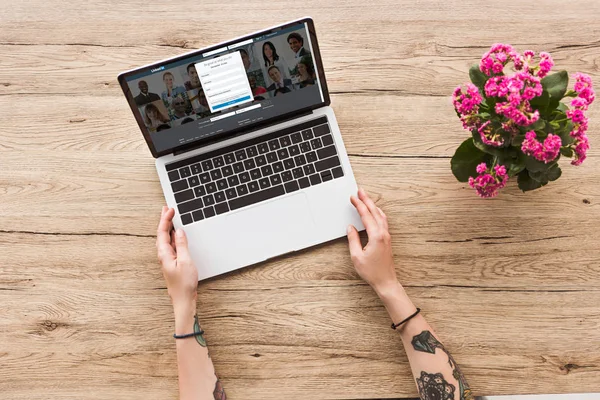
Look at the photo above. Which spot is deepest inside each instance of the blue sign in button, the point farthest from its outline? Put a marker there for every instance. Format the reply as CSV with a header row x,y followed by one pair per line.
x,y
231,102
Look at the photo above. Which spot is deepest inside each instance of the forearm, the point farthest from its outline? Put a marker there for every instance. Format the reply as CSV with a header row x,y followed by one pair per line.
x,y
437,374
197,378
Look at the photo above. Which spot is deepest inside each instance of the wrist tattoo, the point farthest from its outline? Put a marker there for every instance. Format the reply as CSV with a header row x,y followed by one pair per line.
x,y
430,385
200,337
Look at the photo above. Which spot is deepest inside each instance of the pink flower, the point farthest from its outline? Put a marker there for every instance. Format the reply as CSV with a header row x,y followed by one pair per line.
x,y
579,102
489,136
528,54
494,60
546,152
580,147
584,87
466,105
518,90
488,182
546,64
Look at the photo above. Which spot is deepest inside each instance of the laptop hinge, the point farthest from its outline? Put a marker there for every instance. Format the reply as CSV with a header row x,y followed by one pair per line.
x,y
187,150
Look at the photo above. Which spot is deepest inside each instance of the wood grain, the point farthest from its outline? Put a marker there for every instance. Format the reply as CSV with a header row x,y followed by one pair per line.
x,y
512,285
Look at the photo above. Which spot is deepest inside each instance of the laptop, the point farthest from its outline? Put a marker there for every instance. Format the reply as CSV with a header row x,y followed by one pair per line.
x,y
247,147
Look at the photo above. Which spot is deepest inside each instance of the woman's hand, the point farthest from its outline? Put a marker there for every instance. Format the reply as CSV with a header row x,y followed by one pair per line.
x,y
374,263
177,266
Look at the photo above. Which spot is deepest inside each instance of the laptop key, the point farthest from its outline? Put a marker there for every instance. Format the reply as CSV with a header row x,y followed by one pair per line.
x,y
288,163
285,141
328,163
264,183
219,197
326,152
255,174
173,175
233,181
286,176
244,177
218,162
184,196
196,169
209,200
193,181
274,144
337,172
309,169
316,143
198,215
296,137
211,187
216,174
222,184
204,178
263,148
304,147
300,160
251,151
314,179
240,155
304,183
249,164
297,172
186,219
321,130
199,191
278,167
185,172
229,158
209,212
242,190
282,154
207,165
256,197
190,206
238,167
275,179
294,150
221,208
261,160
326,175
227,170
230,193
266,170
307,134
327,140
311,157
253,186
291,186
179,185
271,157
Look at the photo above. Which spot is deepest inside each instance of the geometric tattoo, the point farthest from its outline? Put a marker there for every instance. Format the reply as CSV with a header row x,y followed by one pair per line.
x,y
197,329
433,386
219,393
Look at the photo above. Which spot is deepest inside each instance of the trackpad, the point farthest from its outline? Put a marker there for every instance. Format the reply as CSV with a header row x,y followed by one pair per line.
x,y
270,229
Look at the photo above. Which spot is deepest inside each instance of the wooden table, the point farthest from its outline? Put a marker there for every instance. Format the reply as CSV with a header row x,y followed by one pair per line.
x,y
512,284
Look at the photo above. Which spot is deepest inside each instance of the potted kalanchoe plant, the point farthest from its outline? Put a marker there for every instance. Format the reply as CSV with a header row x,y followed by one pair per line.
x,y
519,123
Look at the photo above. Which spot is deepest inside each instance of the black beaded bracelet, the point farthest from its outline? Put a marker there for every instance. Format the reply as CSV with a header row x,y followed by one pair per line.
x,y
187,335
394,326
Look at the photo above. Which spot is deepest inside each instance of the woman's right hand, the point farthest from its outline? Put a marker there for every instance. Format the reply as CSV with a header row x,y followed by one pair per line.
x,y
374,263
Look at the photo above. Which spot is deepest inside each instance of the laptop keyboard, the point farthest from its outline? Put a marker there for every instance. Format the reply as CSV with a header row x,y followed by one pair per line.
x,y
253,171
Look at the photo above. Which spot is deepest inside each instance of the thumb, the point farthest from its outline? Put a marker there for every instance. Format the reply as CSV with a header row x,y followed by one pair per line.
x,y
354,241
181,244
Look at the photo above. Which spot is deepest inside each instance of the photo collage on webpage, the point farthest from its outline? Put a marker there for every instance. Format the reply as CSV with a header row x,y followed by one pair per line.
x,y
277,66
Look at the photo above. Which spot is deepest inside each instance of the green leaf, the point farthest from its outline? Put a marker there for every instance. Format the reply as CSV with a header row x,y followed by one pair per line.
x,y
534,165
515,168
562,107
540,103
565,133
537,125
478,78
465,160
554,173
526,183
540,176
556,84
566,151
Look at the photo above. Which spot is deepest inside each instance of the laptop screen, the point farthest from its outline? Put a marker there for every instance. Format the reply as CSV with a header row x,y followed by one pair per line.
x,y
210,94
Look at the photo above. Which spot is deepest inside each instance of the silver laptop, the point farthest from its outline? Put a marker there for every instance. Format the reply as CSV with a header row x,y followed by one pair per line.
x,y
247,148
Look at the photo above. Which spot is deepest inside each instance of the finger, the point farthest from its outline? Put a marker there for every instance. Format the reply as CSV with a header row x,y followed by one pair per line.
x,y
354,242
384,218
365,215
370,205
181,245
163,238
